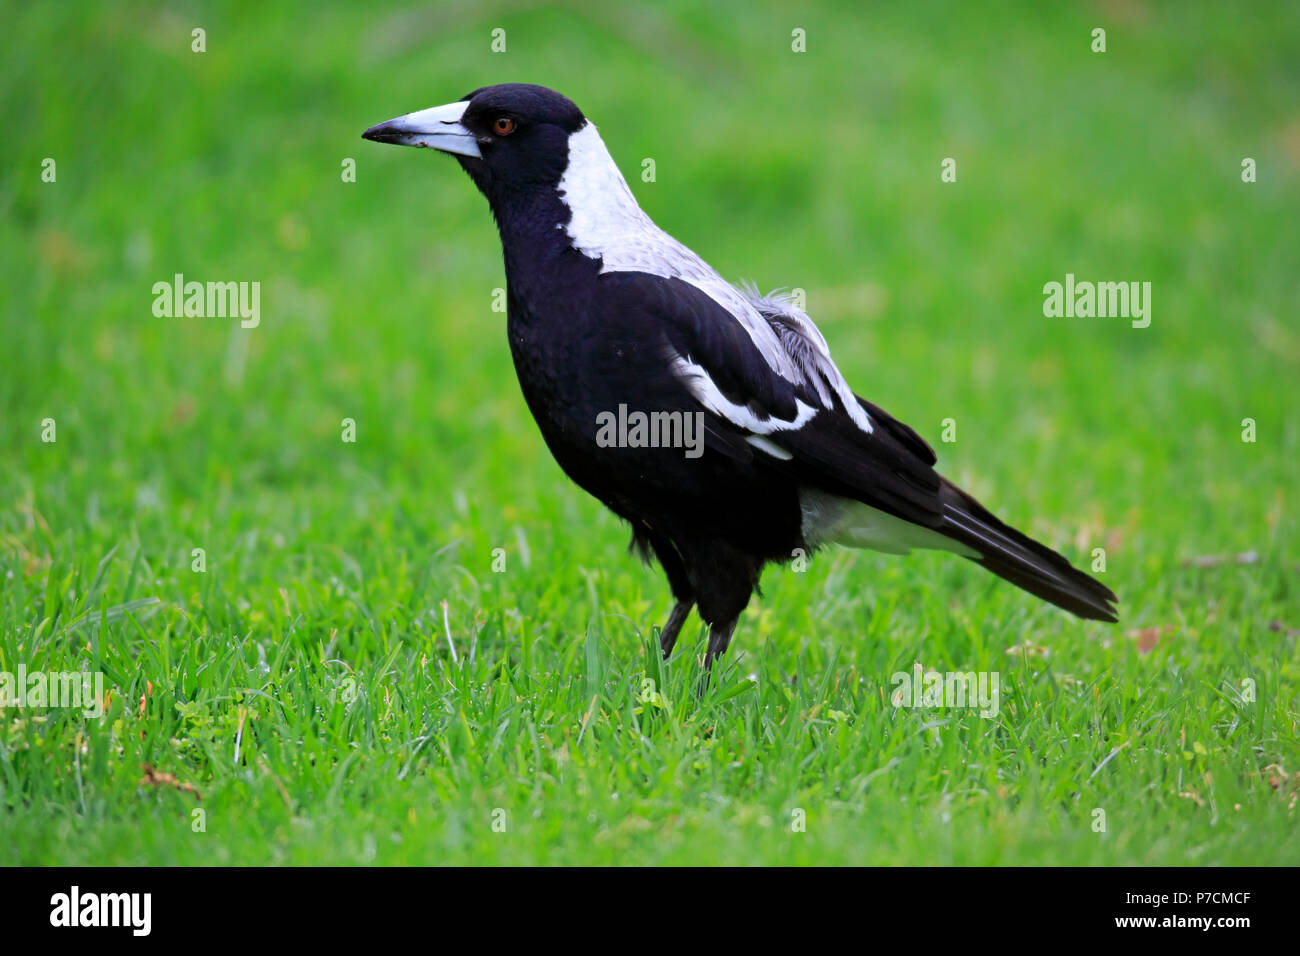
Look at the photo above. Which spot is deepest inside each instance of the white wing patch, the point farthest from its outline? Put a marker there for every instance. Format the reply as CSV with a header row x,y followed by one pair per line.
x,y
768,446
707,393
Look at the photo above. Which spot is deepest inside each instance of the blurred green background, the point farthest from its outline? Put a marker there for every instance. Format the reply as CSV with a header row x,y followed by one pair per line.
x,y
818,170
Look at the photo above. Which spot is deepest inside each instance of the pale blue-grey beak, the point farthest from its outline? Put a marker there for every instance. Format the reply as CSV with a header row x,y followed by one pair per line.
x,y
436,128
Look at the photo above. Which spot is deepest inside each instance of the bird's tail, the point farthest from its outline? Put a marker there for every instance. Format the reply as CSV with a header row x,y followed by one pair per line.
x,y
1020,559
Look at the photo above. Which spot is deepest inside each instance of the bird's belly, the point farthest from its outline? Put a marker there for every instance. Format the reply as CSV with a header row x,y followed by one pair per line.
x,y
623,429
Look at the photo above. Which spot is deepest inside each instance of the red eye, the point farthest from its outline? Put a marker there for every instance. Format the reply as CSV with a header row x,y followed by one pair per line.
x,y
503,126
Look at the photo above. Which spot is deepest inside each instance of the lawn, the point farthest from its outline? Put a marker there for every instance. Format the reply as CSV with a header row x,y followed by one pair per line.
x,y
425,646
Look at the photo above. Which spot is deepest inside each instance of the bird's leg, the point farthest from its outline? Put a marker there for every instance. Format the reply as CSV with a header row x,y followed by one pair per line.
x,y
673,626
719,638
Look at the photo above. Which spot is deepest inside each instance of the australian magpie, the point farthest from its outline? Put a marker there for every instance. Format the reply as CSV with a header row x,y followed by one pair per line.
x,y
608,315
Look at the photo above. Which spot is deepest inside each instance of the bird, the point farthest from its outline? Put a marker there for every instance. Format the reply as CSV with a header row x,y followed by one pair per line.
x,y
610,318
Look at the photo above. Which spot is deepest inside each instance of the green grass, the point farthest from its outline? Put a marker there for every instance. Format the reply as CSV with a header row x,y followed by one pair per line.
x,y
314,644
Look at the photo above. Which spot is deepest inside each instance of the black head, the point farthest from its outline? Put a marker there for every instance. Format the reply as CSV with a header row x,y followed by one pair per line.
x,y
512,136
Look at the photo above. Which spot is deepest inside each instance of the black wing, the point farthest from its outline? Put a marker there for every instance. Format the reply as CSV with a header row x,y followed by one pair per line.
x,y
801,424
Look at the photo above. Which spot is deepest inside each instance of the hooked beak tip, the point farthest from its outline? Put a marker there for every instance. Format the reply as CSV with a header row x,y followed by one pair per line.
x,y
379,134
437,128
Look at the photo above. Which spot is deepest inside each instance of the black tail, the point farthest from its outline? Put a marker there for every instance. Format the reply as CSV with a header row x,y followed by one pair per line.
x,y
1022,560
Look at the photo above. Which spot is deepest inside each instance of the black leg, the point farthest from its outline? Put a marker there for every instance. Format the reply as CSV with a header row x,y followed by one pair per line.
x,y
668,636
670,560
719,638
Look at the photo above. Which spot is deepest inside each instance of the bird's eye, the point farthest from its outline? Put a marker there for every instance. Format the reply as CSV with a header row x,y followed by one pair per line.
x,y
503,126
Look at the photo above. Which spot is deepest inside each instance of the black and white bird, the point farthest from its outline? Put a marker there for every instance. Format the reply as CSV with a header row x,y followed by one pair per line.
x,y
608,313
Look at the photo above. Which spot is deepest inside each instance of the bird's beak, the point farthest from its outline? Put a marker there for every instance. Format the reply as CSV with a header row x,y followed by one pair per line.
x,y
436,128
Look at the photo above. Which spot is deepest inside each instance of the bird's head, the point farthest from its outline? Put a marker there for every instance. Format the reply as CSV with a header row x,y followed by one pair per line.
x,y
511,136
